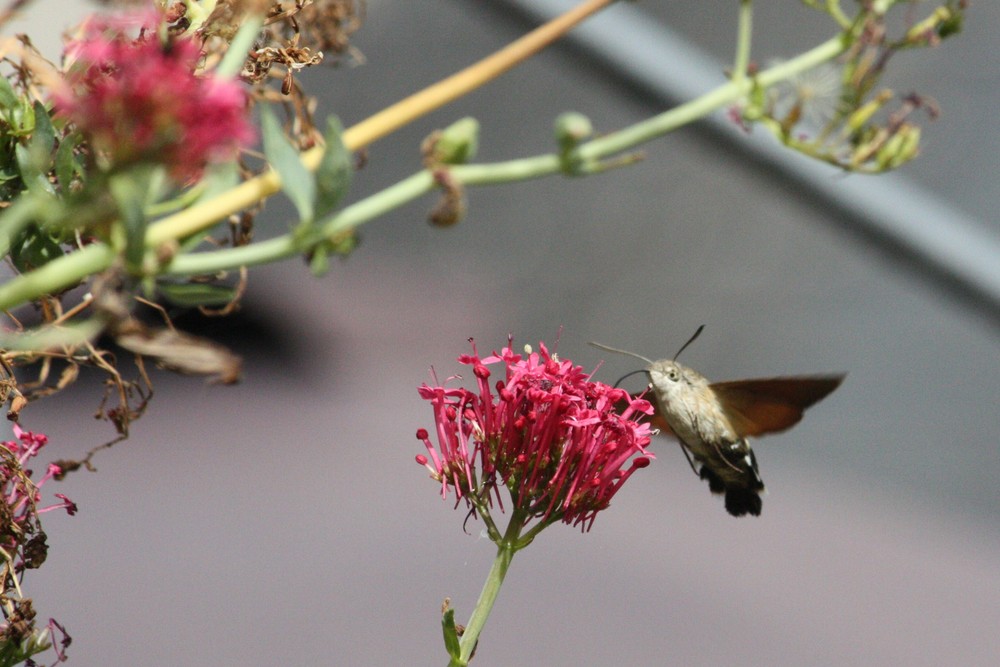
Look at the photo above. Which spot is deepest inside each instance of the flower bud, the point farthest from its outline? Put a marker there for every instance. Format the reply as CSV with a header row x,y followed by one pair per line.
x,y
929,31
864,113
571,128
456,144
900,148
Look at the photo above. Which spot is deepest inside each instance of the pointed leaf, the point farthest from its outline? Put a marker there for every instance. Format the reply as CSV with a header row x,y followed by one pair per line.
x,y
451,643
218,178
8,98
333,176
196,294
319,261
66,163
33,248
296,181
43,139
130,191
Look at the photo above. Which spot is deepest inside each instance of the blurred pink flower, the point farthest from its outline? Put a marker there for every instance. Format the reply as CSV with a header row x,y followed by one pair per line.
x,y
138,98
20,493
24,544
563,445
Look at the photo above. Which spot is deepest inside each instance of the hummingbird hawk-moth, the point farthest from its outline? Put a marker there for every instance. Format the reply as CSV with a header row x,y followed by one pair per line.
x,y
714,421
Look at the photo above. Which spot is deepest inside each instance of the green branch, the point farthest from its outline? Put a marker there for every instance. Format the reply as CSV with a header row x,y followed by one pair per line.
x,y
506,549
744,35
77,266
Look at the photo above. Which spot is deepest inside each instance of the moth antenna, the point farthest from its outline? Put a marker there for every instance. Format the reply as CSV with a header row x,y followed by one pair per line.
x,y
625,352
690,340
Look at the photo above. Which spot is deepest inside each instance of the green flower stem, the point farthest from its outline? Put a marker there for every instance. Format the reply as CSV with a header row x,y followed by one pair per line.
x,y
282,247
380,124
833,7
505,554
74,267
355,215
483,509
529,536
56,275
744,33
726,94
422,182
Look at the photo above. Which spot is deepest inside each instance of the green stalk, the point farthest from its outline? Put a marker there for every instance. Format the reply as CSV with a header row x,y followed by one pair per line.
x,y
56,275
726,94
744,34
74,267
505,554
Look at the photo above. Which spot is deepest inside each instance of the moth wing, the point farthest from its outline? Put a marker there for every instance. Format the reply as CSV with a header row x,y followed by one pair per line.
x,y
771,405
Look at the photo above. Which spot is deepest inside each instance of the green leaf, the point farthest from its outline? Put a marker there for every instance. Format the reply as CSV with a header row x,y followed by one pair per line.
x,y
9,100
33,248
66,163
43,139
343,244
319,260
218,178
296,181
22,212
130,190
35,157
333,176
953,25
196,294
31,175
451,643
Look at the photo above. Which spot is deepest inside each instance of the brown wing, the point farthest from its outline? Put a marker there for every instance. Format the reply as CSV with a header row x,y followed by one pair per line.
x,y
756,407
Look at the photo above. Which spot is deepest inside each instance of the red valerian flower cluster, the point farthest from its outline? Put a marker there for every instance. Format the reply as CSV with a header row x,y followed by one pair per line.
x,y
138,98
21,494
24,544
562,444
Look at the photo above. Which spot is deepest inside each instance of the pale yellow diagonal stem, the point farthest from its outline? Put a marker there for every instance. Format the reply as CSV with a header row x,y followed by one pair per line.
x,y
390,119
96,257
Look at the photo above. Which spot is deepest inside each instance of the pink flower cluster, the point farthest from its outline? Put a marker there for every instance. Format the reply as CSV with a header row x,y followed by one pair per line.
x,y
562,444
138,98
16,494
23,540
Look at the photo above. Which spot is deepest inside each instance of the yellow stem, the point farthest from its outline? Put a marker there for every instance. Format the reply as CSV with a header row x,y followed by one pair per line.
x,y
390,119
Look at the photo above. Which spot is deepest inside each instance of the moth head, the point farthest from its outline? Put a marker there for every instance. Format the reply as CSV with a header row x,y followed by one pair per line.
x,y
667,377
671,379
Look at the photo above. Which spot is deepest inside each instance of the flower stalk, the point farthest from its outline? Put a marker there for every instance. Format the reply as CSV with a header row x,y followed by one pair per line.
x,y
97,257
744,35
491,589
587,157
380,124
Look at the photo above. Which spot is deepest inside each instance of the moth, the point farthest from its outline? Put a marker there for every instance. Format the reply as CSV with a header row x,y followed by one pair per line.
x,y
713,421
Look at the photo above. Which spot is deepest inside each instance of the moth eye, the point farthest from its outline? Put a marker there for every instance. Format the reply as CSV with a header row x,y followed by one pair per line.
x,y
673,376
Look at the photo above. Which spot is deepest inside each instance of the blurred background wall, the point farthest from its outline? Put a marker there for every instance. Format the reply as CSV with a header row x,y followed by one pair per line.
x,y
284,521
